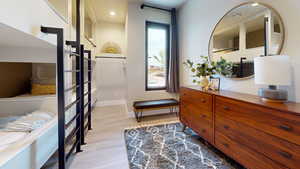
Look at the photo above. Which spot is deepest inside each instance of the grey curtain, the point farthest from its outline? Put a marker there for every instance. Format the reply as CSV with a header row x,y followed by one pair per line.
x,y
173,68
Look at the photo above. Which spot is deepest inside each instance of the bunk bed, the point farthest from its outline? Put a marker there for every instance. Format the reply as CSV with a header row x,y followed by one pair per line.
x,y
65,131
70,121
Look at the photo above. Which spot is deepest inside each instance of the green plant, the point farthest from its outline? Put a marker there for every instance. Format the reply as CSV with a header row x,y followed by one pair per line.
x,y
224,67
160,59
202,69
206,68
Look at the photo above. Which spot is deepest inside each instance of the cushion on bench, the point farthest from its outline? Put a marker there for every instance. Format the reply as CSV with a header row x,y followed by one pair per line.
x,y
155,103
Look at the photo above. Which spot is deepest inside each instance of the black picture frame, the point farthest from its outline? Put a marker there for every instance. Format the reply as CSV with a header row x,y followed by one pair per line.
x,y
216,83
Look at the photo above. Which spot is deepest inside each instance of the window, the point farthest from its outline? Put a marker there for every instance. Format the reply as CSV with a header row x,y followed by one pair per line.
x,y
157,55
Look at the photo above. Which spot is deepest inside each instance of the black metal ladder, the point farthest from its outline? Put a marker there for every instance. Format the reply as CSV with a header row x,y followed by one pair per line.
x,y
88,105
64,141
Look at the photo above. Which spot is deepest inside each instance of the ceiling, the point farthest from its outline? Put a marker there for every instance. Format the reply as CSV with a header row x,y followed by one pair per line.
x,y
102,8
162,3
239,15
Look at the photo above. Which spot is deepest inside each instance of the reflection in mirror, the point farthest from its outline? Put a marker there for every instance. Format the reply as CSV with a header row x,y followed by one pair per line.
x,y
246,32
60,7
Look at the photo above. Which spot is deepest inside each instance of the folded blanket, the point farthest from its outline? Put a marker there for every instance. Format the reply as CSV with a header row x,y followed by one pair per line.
x,y
27,123
5,120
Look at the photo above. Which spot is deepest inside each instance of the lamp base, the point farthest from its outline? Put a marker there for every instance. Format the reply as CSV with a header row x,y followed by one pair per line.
x,y
272,94
273,101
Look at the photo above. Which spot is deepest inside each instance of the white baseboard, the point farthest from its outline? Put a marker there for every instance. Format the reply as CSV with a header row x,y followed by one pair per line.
x,y
110,103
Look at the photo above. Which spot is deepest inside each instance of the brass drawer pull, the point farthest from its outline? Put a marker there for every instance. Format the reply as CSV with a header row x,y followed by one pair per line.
x,y
285,127
285,154
203,116
226,108
226,145
203,130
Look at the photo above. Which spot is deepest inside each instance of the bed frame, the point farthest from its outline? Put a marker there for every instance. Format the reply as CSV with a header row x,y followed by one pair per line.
x,y
76,137
88,105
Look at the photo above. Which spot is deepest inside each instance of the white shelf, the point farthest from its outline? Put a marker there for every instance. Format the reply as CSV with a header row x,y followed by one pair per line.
x,y
17,46
27,103
110,55
27,97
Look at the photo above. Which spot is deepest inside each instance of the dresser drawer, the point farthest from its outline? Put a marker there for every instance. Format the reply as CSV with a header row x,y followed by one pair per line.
x,y
282,151
281,124
197,119
197,99
244,155
185,115
203,128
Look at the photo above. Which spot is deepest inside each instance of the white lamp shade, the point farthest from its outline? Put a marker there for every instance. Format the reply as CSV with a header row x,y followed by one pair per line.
x,y
272,70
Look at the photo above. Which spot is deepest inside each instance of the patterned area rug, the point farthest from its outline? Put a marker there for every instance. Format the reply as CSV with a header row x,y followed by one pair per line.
x,y
167,147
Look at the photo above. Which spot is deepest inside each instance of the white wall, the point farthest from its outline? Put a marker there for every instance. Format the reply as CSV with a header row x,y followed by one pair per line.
x,y
196,23
111,81
136,52
110,32
111,73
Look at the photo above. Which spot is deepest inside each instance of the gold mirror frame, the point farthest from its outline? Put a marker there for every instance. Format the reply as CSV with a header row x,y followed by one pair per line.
x,y
232,9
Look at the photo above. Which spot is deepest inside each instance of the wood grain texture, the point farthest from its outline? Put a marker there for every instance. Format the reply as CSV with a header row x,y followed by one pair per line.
x,y
277,149
196,112
259,135
281,124
244,155
17,78
290,107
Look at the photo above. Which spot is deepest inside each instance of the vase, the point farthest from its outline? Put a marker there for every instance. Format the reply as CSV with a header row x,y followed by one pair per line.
x,y
204,81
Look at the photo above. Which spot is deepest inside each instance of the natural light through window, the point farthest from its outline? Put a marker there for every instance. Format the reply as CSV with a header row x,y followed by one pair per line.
x,y
157,54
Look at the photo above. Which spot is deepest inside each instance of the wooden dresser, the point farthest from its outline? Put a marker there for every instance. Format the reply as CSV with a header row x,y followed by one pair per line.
x,y
258,135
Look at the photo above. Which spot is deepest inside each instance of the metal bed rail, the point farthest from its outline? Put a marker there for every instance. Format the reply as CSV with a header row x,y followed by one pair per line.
x,y
88,105
63,125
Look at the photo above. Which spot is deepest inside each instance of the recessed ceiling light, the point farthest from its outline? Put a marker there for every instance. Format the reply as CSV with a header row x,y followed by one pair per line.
x,y
255,4
112,13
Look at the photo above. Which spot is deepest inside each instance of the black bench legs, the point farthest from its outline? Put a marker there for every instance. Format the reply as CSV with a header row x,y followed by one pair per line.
x,y
139,112
173,109
138,115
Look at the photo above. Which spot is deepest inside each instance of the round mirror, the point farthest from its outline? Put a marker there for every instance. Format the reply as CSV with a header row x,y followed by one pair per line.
x,y
245,32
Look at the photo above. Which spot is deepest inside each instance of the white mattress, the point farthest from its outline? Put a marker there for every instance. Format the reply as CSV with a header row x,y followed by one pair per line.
x,y
9,138
29,150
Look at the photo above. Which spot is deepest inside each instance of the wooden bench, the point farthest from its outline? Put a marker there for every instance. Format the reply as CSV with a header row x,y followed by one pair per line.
x,y
140,106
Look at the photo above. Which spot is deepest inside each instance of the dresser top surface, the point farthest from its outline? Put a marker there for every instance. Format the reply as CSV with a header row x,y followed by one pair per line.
x,y
254,99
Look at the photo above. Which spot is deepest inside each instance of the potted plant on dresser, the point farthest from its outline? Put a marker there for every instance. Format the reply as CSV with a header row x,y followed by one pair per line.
x,y
204,70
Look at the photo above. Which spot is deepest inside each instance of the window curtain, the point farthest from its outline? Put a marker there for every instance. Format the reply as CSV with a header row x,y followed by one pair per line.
x,y
173,68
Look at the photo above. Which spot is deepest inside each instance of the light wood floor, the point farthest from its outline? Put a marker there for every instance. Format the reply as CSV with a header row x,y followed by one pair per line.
x,y
105,147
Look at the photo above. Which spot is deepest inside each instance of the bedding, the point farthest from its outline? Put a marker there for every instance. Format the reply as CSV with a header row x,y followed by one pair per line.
x,y
26,123
14,128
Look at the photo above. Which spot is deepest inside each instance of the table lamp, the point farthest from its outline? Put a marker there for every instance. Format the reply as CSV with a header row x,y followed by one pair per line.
x,y
273,71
